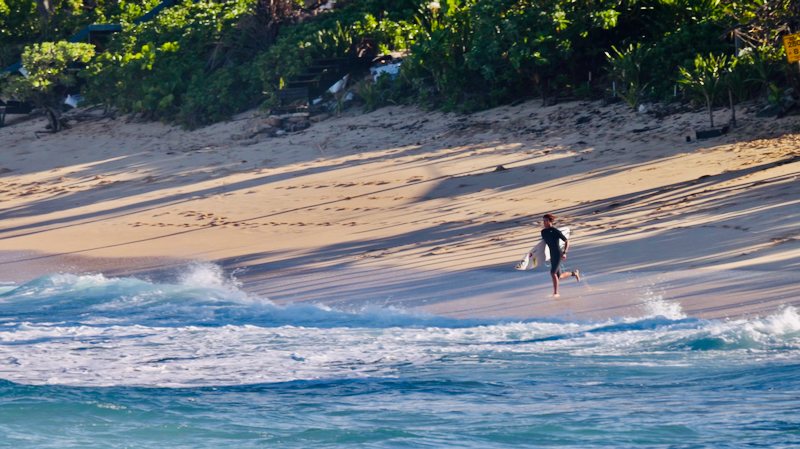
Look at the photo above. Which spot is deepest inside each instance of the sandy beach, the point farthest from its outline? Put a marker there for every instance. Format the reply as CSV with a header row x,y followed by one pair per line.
x,y
422,210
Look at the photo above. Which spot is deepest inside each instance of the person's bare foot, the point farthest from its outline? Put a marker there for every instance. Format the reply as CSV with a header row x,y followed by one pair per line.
x,y
577,275
555,295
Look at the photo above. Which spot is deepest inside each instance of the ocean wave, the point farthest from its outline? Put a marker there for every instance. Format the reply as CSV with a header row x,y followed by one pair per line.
x,y
205,297
774,332
245,354
202,297
91,330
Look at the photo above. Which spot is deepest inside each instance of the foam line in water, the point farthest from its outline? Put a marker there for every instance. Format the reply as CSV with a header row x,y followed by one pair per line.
x,y
140,355
92,330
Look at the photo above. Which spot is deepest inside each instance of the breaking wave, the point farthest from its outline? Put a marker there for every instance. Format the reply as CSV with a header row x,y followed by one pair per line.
x,y
68,329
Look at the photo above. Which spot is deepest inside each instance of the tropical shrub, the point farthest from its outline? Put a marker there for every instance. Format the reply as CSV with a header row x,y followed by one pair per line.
x,y
332,36
197,63
708,77
149,68
203,62
628,68
490,52
23,22
764,65
678,48
48,70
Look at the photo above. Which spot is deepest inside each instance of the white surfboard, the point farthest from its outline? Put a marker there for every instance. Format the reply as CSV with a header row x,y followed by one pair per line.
x,y
540,253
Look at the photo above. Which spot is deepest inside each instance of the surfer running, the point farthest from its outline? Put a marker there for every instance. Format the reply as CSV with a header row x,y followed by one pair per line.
x,y
551,236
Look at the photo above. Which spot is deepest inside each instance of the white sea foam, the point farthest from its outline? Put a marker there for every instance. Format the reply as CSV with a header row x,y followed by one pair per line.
x,y
785,322
208,275
654,305
247,354
91,330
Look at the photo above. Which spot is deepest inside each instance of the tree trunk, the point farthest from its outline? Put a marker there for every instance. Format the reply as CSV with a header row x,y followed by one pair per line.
x,y
710,113
54,117
733,108
43,7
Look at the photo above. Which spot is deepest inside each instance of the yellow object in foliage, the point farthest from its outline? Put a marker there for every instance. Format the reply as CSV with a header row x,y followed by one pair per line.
x,y
792,45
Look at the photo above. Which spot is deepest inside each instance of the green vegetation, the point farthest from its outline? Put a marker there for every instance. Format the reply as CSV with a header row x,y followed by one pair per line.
x,y
155,68
201,62
48,69
628,67
25,22
708,77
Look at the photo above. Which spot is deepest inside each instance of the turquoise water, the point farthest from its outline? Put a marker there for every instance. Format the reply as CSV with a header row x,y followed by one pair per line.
x,y
91,362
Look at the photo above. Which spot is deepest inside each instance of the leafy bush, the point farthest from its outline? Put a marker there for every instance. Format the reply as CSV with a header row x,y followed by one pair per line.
x,y
218,96
22,24
378,93
197,63
148,68
48,67
19,21
334,35
763,64
628,68
370,94
480,54
708,77
678,48
200,63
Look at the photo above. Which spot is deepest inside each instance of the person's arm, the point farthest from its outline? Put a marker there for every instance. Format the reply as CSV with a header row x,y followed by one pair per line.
x,y
566,243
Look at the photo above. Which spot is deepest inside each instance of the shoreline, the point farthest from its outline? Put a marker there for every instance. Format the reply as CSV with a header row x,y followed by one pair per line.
x,y
401,206
498,292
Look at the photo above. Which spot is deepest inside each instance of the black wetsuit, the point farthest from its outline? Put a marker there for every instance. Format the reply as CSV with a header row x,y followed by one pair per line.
x,y
551,237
